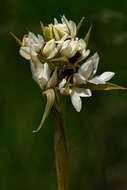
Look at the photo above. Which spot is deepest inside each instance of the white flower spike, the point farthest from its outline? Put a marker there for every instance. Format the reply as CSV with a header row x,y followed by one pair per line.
x,y
56,63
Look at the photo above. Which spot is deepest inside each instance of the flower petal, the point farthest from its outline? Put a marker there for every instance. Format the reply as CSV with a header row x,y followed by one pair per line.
x,y
69,48
86,69
72,27
25,52
76,101
95,60
106,76
50,50
82,92
55,21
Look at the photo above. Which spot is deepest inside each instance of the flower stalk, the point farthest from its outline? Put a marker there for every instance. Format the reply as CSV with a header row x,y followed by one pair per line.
x,y
61,153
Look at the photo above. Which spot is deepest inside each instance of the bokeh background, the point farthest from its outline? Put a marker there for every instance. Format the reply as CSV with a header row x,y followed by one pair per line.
x,y
97,137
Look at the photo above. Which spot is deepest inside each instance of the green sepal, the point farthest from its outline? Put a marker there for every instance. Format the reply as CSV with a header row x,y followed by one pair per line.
x,y
79,24
87,37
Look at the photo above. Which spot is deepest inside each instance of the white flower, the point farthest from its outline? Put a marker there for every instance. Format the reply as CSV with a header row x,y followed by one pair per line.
x,y
41,74
31,45
69,48
87,71
82,49
85,75
58,30
50,49
75,94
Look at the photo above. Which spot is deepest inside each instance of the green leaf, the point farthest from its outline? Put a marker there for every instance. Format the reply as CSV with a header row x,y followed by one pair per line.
x,y
16,38
80,23
87,37
106,86
50,95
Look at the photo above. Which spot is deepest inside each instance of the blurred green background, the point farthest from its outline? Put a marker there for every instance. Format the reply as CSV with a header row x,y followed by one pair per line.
x,y
97,137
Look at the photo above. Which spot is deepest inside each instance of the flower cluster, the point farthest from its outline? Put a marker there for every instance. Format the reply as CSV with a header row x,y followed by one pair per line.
x,y
58,62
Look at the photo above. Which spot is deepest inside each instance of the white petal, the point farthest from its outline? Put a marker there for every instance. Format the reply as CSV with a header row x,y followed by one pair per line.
x,y
76,101
25,41
82,44
25,52
55,21
69,48
64,20
95,60
72,27
85,54
62,83
82,92
46,73
86,69
106,76
40,39
33,37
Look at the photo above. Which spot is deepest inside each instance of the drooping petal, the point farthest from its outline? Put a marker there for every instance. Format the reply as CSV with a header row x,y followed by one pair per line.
x,y
50,101
101,79
76,101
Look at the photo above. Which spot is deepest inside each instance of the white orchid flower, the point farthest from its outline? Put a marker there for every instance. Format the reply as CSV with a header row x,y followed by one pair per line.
x,y
75,94
31,45
85,75
87,71
69,48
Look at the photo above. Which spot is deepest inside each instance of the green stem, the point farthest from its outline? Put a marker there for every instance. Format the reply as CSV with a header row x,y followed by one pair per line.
x,y
61,155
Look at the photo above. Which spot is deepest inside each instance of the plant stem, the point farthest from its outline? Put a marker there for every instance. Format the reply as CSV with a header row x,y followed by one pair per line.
x,y
61,154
